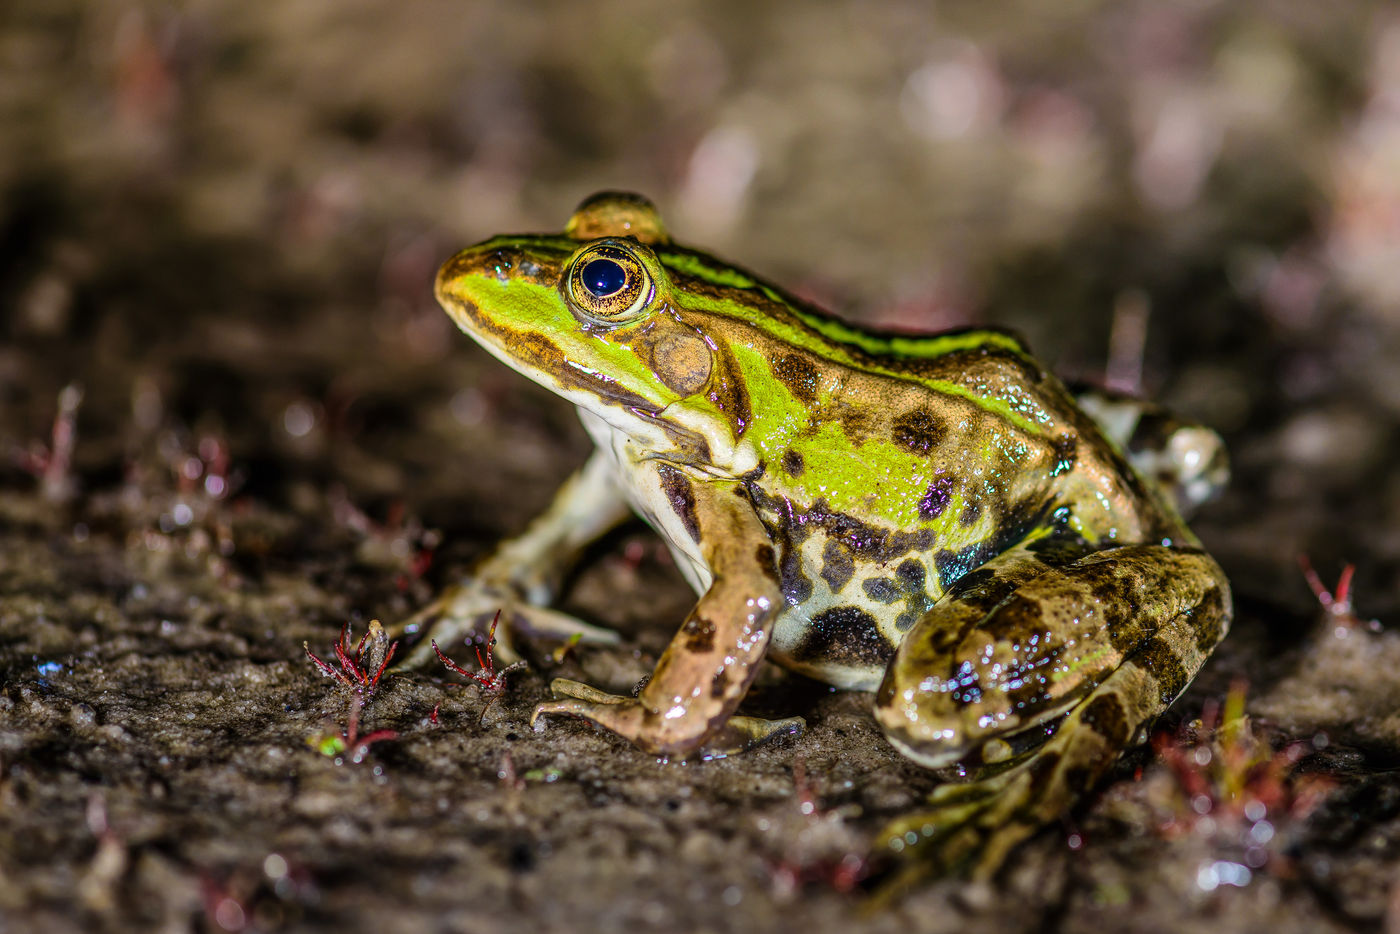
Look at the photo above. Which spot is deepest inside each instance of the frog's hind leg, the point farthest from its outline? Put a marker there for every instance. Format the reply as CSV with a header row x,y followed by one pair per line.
x,y
524,574
1033,678
1183,457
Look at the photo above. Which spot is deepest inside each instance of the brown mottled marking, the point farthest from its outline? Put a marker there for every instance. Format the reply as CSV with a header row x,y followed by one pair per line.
x,y
1058,550
837,565
767,560
1016,619
1209,618
1105,714
846,634
881,589
677,488
793,463
699,634
730,393
720,684
936,498
799,375
1161,661
918,431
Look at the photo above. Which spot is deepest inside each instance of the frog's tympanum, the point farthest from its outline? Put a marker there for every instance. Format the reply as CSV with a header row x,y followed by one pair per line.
x,y
936,519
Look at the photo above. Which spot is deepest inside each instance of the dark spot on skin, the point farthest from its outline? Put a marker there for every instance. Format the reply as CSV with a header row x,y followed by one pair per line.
x,y
880,589
971,586
730,393
837,565
797,586
799,375
1105,714
1115,588
793,463
868,541
1161,661
767,560
846,634
952,565
1210,618
918,432
936,498
1016,619
699,634
970,514
720,684
677,489
789,535
1059,550
911,574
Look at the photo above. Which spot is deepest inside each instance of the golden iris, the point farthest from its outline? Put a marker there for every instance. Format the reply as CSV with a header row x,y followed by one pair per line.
x,y
608,284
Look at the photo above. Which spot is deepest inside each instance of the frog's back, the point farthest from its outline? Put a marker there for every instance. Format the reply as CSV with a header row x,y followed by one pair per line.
x,y
891,465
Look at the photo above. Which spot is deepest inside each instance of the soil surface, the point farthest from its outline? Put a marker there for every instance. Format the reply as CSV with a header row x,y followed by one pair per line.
x,y
233,420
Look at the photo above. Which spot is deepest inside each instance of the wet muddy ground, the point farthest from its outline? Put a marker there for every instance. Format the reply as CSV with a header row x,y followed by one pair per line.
x,y
232,420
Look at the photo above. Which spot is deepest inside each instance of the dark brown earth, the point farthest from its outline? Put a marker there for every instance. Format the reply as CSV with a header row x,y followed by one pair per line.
x,y
219,222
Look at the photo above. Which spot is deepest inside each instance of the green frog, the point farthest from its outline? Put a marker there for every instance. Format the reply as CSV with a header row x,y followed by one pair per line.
x,y
932,518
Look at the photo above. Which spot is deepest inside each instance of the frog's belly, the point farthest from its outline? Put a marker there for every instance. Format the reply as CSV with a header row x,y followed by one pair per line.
x,y
836,638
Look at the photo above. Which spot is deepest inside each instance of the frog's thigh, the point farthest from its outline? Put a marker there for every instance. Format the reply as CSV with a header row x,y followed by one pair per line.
x,y
1015,645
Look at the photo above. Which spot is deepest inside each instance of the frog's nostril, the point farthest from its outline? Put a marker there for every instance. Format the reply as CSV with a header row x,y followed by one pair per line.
x,y
603,277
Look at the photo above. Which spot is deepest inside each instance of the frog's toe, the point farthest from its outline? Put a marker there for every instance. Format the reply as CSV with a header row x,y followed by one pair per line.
x,y
577,690
740,734
622,715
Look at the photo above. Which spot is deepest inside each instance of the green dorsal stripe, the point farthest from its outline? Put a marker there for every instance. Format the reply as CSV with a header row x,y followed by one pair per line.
x,y
882,345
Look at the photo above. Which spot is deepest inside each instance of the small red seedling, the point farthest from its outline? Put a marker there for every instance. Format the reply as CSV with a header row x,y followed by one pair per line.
x,y
52,464
488,678
1336,603
331,745
822,853
1233,778
370,656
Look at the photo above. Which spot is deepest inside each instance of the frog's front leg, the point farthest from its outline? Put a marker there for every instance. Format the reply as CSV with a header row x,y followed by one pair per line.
x,y
1032,674
689,702
524,574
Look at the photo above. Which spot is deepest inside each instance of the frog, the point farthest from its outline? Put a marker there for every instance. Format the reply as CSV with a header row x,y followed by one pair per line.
x,y
933,519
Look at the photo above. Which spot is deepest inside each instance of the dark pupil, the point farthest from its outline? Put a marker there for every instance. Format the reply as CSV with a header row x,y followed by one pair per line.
x,y
603,277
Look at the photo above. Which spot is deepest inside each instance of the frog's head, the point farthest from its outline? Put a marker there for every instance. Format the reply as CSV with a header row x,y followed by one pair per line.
x,y
591,314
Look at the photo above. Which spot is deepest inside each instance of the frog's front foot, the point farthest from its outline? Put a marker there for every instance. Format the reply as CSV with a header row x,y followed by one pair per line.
x,y
466,612
662,732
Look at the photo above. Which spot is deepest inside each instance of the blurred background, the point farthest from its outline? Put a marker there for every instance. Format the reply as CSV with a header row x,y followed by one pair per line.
x,y
228,215
232,418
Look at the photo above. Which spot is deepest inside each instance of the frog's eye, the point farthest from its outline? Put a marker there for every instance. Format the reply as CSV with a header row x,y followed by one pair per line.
x,y
608,284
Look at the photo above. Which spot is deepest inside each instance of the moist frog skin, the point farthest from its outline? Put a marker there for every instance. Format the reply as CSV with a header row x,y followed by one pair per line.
x,y
932,518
